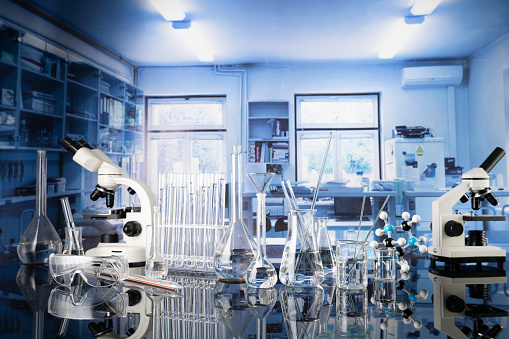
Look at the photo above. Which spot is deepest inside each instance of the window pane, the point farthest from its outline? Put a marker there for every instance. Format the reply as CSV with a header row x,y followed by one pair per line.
x,y
206,155
339,111
170,155
357,154
187,114
313,151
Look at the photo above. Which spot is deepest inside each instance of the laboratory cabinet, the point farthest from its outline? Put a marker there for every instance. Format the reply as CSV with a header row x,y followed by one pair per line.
x,y
48,96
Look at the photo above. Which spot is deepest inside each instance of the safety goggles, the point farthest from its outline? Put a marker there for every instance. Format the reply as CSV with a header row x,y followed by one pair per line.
x,y
95,271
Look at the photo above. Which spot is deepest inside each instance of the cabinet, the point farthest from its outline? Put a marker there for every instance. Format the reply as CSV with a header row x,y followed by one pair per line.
x,y
268,133
46,97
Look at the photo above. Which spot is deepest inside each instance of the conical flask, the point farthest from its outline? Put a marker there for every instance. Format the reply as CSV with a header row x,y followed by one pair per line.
x,y
326,253
261,273
301,264
236,249
40,238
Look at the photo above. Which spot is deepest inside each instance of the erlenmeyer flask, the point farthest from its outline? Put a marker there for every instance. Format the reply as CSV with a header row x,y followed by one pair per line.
x,y
236,249
261,273
40,238
326,253
301,264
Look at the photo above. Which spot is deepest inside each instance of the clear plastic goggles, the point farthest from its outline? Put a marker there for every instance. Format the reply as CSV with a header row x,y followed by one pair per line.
x,y
95,271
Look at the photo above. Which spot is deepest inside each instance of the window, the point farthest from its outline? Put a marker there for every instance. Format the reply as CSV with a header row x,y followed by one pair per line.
x,y
185,134
353,122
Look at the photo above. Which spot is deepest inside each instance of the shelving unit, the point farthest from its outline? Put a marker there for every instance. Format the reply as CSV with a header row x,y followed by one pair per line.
x,y
268,132
44,99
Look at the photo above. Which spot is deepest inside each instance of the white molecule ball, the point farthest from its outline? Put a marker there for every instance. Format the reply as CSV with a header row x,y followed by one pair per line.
x,y
405,276
422,239
404,268
384,326
417,324
407,320
402,306
423,249
423,294
416,219
379,232
373,244
405,215
401,241
383,215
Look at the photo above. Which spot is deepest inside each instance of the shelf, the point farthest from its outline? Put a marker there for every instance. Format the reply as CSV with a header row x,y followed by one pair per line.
x,y
74,116
41,113
275,139
112,96
268,117
108,126
18,199
7,107
77,83
35,74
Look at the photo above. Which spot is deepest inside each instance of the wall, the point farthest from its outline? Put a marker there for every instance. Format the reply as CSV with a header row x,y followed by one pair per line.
x,y
488,115
422,106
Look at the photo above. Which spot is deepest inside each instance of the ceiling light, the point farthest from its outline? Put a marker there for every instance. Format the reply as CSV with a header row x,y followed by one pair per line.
x,y
424,7
193,40
399,35
169,9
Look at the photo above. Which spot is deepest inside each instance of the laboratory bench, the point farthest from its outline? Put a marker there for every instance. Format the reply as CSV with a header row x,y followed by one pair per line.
x,y
212,309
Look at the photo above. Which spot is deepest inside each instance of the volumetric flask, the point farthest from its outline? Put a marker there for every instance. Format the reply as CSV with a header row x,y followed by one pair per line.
x,y
236,249
301,264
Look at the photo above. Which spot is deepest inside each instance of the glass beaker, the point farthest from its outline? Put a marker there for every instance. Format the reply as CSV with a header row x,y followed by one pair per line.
x,y
301,264
352,313
352,263
385,264
232,308
236,249
73,241
40,238
261,273
301,307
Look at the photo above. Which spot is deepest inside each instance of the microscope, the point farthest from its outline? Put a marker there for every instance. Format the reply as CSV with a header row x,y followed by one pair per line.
x,y
135,218
450,245
450,303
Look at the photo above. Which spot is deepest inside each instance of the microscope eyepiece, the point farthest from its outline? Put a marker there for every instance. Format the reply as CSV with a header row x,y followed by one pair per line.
x,y
69,145
492,159
83,143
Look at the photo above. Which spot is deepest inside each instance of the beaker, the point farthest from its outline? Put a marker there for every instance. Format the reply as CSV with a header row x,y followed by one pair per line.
x,y
40,238
352,313
301,307
73,241
236,249
301,264
385,264
352,264
261,273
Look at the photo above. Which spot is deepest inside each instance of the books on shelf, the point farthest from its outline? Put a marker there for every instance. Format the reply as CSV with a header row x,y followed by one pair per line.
x,y
39,101
111,112
268,152
35,60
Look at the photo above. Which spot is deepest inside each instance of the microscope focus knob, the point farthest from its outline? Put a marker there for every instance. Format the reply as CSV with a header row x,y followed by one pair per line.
x,y
132,228
453,228
455,304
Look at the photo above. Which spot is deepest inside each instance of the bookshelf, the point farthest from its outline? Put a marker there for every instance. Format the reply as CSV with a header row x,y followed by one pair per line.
x,y
268,132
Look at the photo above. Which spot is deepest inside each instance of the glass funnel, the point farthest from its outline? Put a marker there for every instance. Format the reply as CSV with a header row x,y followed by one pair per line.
x,y
40,238
236,249
301,264
261,272
261,301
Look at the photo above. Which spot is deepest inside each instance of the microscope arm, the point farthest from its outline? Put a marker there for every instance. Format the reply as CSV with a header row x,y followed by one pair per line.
x,y
147,198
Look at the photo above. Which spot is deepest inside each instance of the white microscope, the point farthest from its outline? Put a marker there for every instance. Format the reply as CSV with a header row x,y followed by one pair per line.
x,y
136,218
450,245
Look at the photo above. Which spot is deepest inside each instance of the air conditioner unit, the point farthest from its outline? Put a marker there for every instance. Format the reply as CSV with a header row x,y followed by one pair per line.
x,y
431,76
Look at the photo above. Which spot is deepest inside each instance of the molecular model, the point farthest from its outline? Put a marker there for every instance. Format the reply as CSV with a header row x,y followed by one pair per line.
x,y
406,310
413,241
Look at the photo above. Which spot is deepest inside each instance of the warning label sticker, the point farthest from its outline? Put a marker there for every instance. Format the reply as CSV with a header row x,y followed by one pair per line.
x,y
419,152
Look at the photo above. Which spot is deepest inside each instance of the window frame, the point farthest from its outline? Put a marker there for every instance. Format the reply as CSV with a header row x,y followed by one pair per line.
x,y
338,130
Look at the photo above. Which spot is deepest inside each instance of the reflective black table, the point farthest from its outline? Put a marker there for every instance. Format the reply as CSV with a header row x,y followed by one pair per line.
x,y
32,305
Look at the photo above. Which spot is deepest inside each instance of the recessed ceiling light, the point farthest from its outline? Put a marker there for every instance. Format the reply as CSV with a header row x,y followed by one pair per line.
x,y
169,9
424,7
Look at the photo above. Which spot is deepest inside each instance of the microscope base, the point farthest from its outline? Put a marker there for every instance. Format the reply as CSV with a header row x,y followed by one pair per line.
x,y
136,255
464,268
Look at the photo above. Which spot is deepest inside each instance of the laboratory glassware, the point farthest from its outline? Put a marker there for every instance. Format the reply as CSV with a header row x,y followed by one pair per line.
x,y
73,234
352,313
352,264
385,264
156,266
40,238
261,301
34,282
301,308
301,264
233,309
261,273
236,249
326,252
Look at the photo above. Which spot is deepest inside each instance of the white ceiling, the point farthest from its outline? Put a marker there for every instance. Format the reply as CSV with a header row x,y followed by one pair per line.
x,y
282,31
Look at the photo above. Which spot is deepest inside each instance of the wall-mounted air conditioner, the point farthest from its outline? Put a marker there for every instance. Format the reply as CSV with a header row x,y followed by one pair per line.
x,y
431,76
